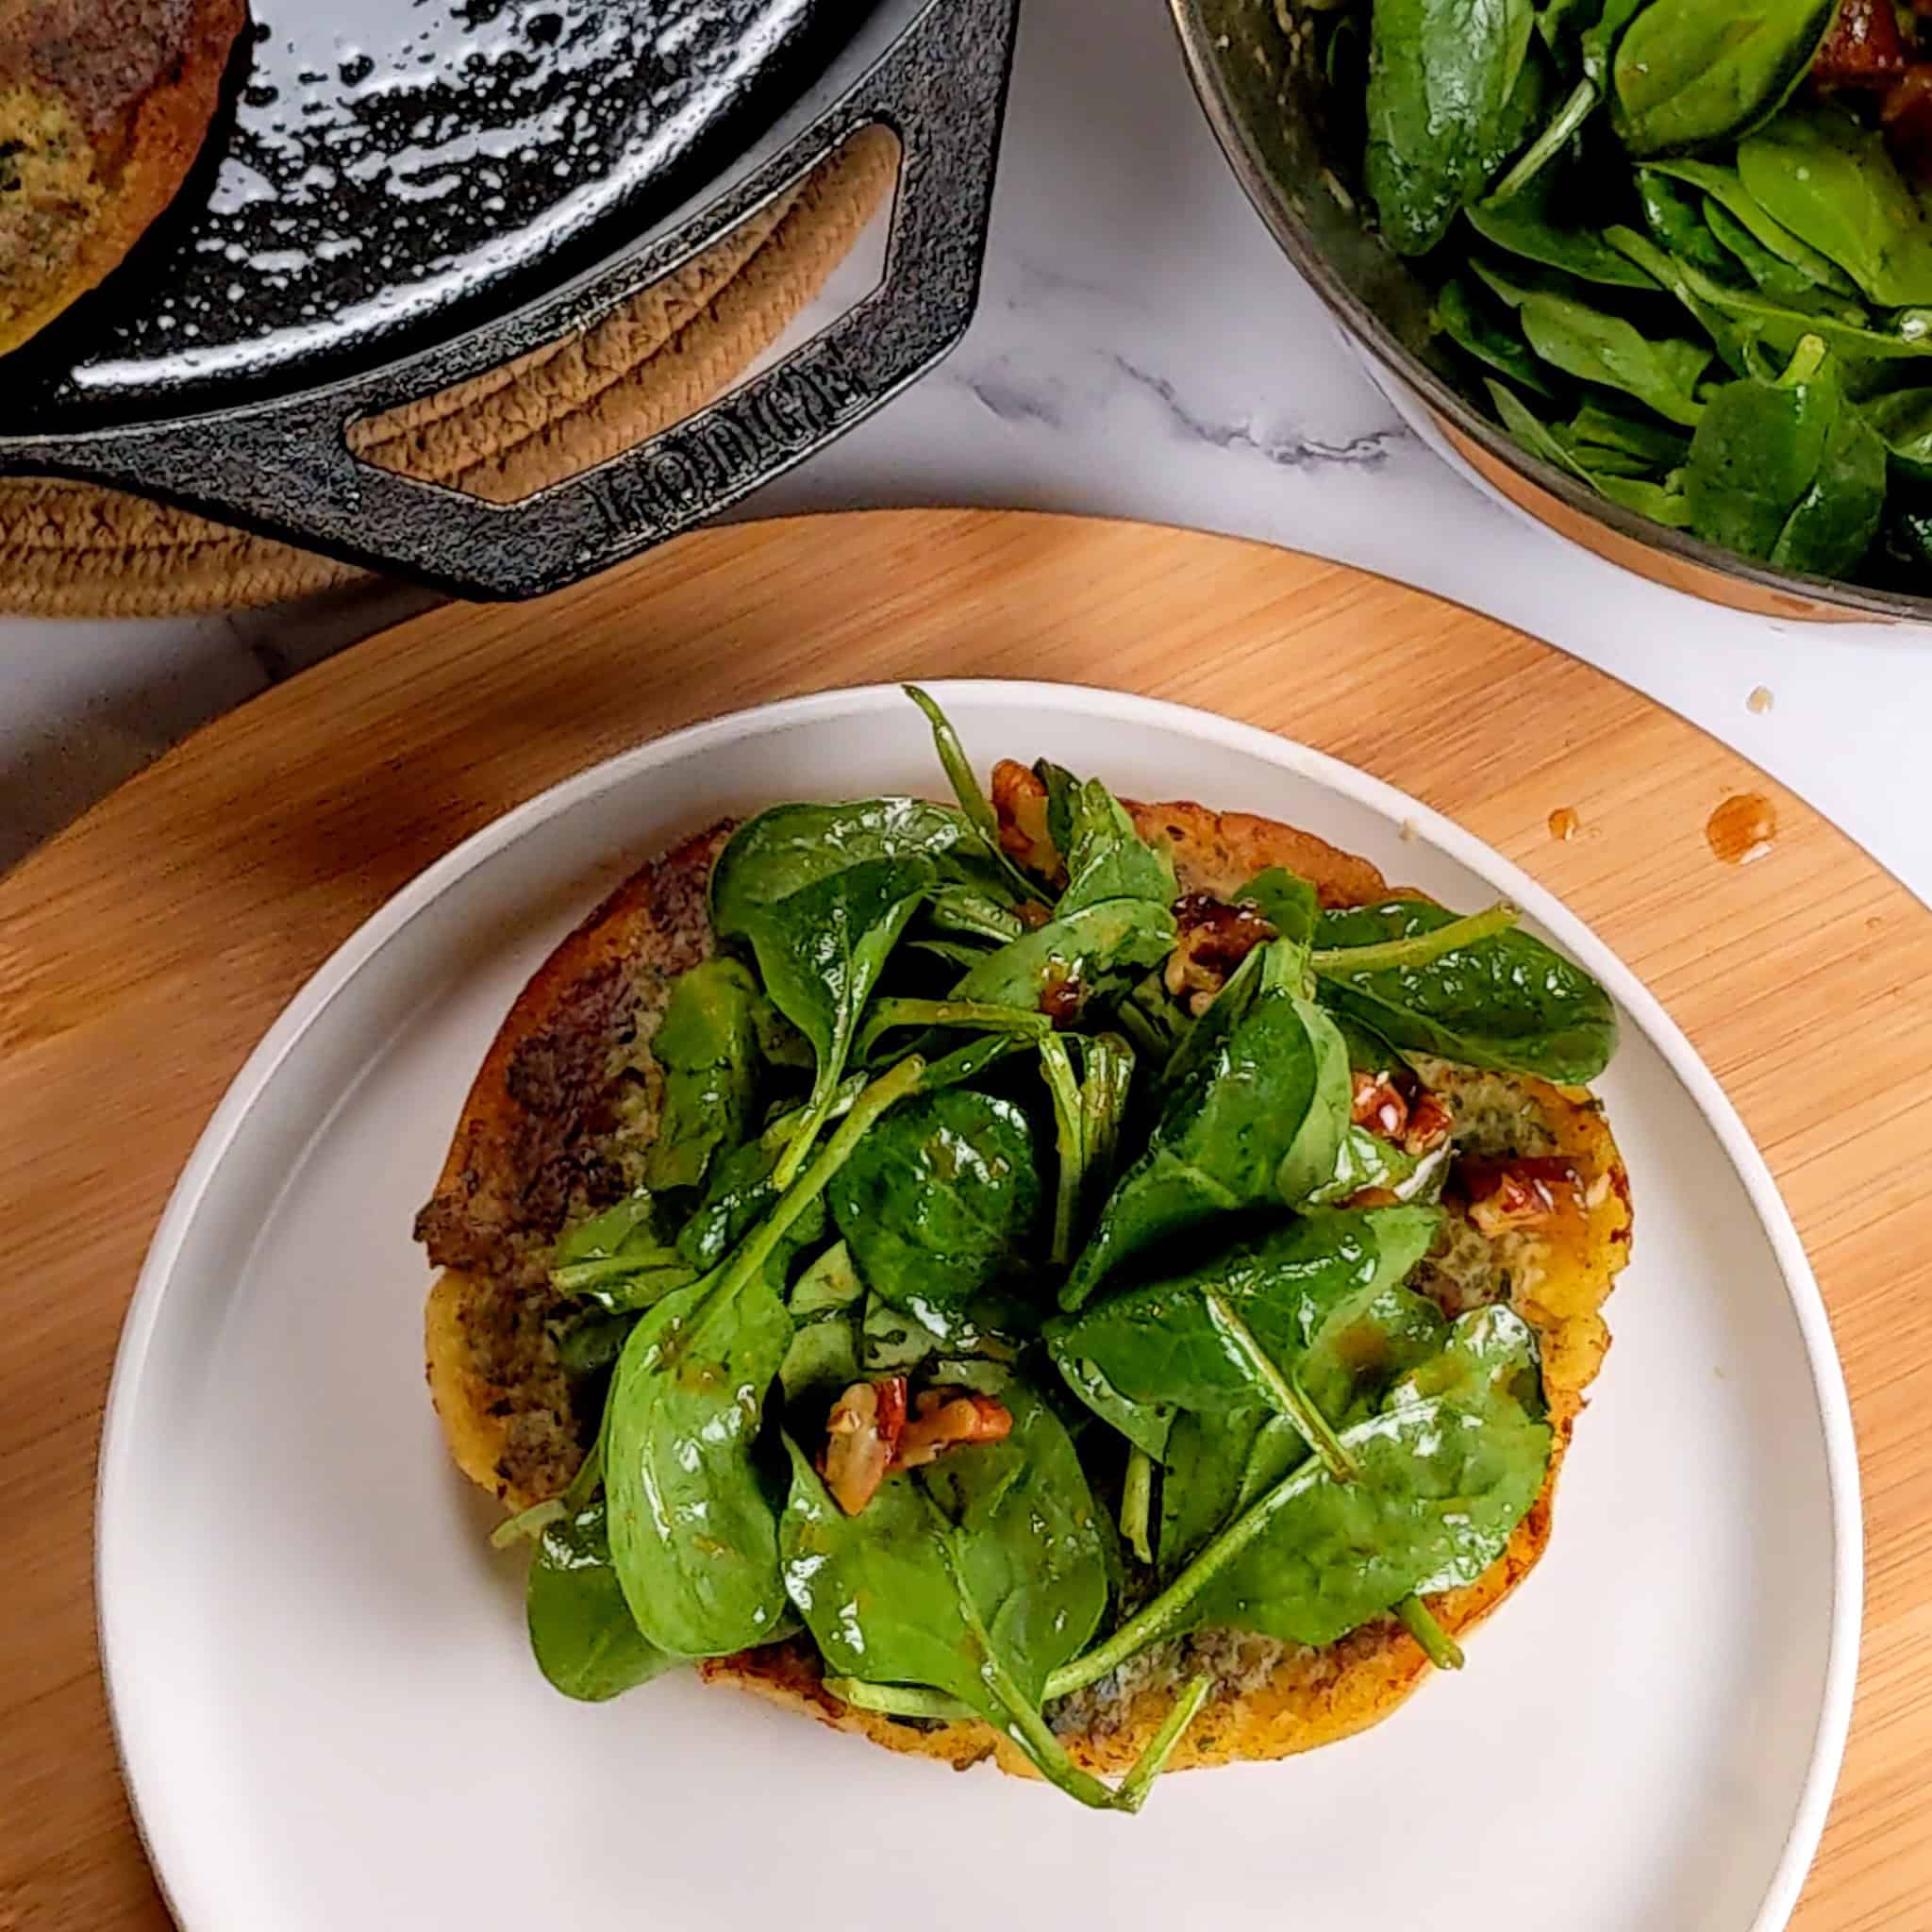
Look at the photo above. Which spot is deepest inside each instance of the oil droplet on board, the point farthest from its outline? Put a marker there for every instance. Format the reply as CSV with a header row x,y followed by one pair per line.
x,y
1565,822
1760,700
1741,828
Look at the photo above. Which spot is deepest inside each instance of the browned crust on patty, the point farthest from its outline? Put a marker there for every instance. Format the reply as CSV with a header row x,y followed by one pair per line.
x,y
106,103
536,1141
1303,1699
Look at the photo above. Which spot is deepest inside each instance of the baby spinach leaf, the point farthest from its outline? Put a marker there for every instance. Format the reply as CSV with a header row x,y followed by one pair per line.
x,y
1596,44
976,1579
1518,419
1690,74
1525,224
585,1639
1061,786
940,1200
1903,421
707,1045
831,1283
1722,186
1442,1482
1140,1355
1441,74
1461,317
955,908
820,953
615,1259
1083,951
1507,1002
1774,276
592,1339
693,1537
1286,901
1787,470
1675,221
1662,503
1596,346
790,847
1594,427
974,803
1255,1108
740,1193
1833,183
1363,1160
1106,858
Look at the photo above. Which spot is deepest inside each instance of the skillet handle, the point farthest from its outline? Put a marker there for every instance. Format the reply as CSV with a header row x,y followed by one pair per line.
x,y
284,467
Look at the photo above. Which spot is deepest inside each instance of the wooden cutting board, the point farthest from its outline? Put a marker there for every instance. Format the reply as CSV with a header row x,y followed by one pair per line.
x,y
143,952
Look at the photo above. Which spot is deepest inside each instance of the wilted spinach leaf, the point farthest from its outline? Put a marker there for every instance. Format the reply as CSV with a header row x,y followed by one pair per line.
x,y
1507,1002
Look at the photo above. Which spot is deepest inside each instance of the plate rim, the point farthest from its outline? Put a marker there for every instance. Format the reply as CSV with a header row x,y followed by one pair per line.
x,y
168,1848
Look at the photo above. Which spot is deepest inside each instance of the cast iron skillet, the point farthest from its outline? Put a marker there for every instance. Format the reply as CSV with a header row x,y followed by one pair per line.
x,y
408,193
1298,153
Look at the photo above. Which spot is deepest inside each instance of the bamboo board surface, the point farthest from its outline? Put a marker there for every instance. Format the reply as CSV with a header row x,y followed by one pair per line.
x,y
145,951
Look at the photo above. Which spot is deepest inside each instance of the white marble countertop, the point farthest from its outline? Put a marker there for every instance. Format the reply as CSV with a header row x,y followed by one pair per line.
x,y
1142,350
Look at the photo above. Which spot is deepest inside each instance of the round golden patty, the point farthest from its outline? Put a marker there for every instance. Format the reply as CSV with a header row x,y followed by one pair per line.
x,y
566,1103
104,106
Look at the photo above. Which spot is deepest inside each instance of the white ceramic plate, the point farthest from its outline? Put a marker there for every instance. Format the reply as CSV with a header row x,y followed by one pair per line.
x,y
318,1668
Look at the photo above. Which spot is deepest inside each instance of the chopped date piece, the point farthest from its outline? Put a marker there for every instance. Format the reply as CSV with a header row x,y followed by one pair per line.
x,y
1214,939
1060,1000
861,1435
1864,47
950,1419
1907,116
1505,1194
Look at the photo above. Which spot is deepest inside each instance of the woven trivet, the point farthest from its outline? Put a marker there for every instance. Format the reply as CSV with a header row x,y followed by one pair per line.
x,y
75,550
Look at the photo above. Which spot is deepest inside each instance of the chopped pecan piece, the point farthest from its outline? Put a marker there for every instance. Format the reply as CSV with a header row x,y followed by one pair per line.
x,y
865,1429
1213,939
950,1419
1506,1194
1429,1120
1378,1106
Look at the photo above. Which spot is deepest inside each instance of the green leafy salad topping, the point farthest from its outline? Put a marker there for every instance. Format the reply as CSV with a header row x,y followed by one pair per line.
x,y
993,1313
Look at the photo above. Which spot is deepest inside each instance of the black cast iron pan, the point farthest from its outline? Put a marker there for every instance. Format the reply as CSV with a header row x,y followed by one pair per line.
x,y
408,193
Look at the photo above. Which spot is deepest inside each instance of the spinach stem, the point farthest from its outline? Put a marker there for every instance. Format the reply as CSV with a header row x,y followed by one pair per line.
x,y
1569,117
1133,1789
973,801
1136,1504
1056,1065
887,1090
530,1523
786,1128
900,1700
1168,1613
1437,1646
574,1277
1283,1390
1419,949
986,1015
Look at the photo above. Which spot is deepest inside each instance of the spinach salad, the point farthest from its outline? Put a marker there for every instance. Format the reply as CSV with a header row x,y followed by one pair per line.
x,y
1680,250
1026,1274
